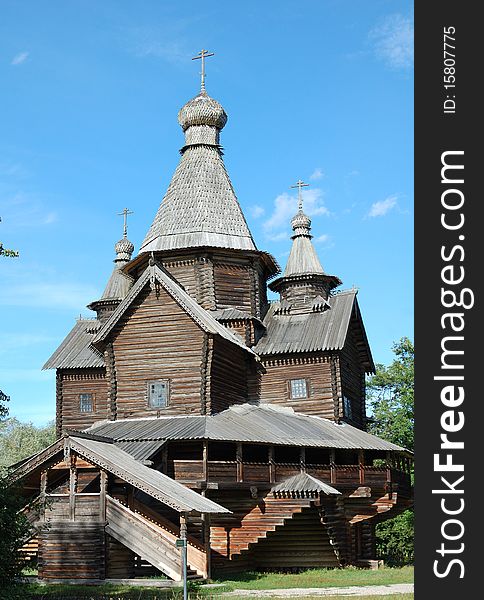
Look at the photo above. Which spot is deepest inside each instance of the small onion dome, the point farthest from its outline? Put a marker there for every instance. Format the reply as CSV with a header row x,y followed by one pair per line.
x,y
124,249
301,223
202,110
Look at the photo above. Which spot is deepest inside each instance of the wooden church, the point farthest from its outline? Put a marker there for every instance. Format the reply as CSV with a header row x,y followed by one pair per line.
x,y
193,407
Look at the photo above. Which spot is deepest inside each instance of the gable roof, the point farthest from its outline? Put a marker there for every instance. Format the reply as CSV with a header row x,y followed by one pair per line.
x,y
202,317
304,483
106,455
314,331
157,485
75,351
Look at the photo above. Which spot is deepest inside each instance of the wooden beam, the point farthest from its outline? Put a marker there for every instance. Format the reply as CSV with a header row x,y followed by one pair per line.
x,y
240,464
361,465
72,489
102,495
205,461
272,466
302,459
332,465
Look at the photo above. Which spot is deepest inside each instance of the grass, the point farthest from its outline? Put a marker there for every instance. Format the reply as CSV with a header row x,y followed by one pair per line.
x,y
313,578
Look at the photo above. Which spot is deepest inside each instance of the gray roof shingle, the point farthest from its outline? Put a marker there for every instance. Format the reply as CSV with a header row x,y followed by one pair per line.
x,y
265,424
75,351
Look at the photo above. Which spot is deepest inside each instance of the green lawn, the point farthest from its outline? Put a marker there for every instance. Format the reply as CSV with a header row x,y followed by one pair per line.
x,y
318,578
249,580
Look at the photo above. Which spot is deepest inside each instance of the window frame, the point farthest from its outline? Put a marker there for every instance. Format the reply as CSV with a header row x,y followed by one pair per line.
x,y
149,383
93,403
306,383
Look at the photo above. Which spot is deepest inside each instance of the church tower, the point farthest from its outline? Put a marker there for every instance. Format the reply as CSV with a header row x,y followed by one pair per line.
x,y
199,233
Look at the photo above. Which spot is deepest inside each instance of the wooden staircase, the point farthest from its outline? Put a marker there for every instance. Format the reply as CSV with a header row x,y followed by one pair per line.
x,y
250,523
153,539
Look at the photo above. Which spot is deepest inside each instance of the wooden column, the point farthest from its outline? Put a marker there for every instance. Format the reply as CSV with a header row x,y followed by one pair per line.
x,y
389,474
43,491
240,464
332,465
103,484
206,543
205,461
302,460
272,466
361,465
72,488
164,459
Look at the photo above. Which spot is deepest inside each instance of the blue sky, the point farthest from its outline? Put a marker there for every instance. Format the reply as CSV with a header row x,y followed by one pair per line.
x,y
320,90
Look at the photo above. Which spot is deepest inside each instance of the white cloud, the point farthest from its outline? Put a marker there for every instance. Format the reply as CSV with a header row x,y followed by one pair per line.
x,y
382,207
285,207
277,237
20,58
392,41
321,239
25,210
316,174
257,211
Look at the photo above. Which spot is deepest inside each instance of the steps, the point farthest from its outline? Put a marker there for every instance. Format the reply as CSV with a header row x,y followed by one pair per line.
x,y
252,521
152,539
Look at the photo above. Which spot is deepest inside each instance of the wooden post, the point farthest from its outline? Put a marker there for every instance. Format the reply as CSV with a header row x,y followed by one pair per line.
x,y
389,474
183,537
205,461
361,465
272,466
72,488
240,464
206,540
43,491
302,459
332,465
164,459
103,480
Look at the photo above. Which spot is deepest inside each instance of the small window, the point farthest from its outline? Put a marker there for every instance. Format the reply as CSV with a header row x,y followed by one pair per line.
x,y
158,393
347,407
298,388
86,403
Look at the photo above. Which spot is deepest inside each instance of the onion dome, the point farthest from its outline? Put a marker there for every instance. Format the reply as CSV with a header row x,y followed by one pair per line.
x,y
301,224
124,249
202,110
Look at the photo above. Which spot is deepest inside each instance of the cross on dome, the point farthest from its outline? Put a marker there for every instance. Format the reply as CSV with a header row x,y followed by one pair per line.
x,y
300,184
202,55
124,213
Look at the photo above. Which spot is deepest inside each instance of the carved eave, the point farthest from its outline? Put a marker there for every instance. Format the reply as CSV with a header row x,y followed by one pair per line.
x,y
281,283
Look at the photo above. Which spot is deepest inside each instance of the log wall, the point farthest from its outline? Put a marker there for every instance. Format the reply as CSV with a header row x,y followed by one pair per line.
x,y
157,340
352,378
73,382
228,376
317,370
72,550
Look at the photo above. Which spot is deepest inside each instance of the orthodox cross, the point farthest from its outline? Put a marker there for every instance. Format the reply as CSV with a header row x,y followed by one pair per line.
x,y
203,55
300,184
125,214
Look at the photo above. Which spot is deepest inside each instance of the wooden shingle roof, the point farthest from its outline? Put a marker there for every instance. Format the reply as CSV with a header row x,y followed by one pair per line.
x,y
76,352
200,207
315,331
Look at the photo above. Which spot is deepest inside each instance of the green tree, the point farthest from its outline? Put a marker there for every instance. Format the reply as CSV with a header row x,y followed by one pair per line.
x,y
6,251
19,440
391,399
14,527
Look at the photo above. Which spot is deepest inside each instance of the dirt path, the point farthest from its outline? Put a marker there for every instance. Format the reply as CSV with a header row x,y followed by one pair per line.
x,y
367,590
